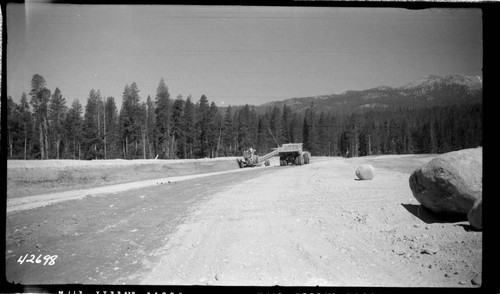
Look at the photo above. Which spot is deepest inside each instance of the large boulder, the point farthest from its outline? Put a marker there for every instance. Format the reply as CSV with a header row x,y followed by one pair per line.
x,y
475,215
451,182
365,172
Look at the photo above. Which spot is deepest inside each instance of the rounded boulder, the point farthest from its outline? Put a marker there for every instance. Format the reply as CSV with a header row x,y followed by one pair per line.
x,y
365,172
449,183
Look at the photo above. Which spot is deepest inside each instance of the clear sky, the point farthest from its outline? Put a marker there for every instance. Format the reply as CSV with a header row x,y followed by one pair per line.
x,y
235,54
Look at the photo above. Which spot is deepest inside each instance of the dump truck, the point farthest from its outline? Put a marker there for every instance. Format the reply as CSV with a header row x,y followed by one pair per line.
x,y
291,153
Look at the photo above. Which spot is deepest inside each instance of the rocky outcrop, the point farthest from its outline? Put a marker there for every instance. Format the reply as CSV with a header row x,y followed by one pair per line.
x,y
451,182
365,172
475,215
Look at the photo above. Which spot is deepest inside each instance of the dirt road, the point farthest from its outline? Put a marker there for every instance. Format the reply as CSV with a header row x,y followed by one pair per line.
x,y
317,225
298,225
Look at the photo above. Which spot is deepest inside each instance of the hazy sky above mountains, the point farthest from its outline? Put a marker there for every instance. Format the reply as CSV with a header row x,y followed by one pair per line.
x,y
234,54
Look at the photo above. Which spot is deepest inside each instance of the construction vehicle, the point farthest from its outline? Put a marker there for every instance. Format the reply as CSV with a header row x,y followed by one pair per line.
x,y
251,160
291,153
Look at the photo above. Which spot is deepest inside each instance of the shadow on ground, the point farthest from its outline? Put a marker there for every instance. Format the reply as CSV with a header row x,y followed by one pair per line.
x,y
430,217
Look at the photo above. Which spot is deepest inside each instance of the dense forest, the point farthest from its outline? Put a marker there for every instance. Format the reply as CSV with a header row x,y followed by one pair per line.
x,y
42,126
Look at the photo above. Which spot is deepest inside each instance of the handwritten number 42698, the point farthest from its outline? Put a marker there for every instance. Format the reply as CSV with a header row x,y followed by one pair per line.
x,y
47,259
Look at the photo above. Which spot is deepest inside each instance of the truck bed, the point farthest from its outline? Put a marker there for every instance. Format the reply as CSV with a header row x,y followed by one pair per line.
x,y
292,147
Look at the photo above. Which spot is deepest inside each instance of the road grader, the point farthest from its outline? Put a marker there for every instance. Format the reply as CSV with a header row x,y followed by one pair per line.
x,y
291,153
250,159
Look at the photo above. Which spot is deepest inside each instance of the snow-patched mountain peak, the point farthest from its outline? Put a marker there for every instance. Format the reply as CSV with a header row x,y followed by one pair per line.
x,y
472,82
469,81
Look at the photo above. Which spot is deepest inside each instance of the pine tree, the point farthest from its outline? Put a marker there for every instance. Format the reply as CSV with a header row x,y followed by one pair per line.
x,y
471,126
13,125
101,124
228,132
244,140
177,132
365,135
92,142
202,126
57,116
406,140
323,134
393,137
162,112
286,132
296,128
142,121
131,122
151,127
40,97
111,122
432,132
263,135
188,127
73,126
308,130
333,144
253,128
214,130
27,125
275,125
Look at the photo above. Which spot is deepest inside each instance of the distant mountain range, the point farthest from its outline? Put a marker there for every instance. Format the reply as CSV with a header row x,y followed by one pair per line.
x,y
428,91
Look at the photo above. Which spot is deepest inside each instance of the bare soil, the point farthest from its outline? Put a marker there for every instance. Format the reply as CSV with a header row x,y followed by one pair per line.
x,y
35,177
307,225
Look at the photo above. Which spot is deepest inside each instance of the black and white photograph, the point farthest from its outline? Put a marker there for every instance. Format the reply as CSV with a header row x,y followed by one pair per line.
x,y
241,145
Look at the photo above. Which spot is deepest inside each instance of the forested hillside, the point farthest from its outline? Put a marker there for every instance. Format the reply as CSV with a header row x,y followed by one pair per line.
x,y
426,92
42,126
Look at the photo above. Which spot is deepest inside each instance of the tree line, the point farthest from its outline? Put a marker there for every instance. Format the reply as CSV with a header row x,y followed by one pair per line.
x,y
42,126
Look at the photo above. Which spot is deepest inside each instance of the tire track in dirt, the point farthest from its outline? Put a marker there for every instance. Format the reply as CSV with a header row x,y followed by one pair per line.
x,y
322,195
306,226
303,230
357,208
287,229
106,239
292,226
